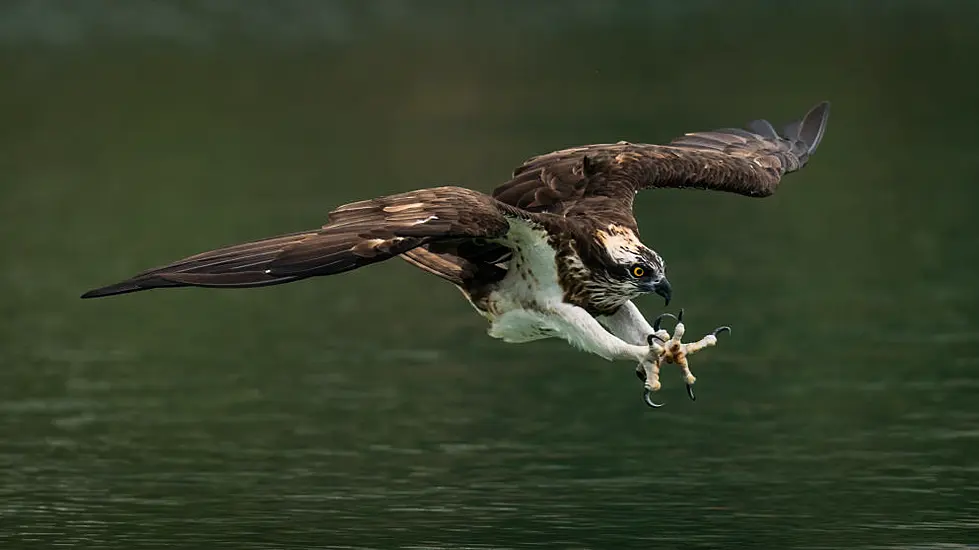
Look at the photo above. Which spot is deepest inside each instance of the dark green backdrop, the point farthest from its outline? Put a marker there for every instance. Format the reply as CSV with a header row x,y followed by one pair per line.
x,y
370,410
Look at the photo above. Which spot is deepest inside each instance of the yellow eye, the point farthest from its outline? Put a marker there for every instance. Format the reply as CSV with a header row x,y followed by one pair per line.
x,y
638,271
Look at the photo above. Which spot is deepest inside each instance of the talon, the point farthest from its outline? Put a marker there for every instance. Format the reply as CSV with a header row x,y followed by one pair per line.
x,y
673,351
647,396
641,373
659,319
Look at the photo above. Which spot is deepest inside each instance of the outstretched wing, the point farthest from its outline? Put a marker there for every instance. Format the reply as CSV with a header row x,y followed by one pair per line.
x,y
356,235
602,179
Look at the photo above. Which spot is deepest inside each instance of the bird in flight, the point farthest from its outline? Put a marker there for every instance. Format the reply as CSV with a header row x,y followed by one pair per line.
x,y
552,253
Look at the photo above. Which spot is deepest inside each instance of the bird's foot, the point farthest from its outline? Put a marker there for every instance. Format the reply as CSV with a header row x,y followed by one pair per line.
x,y
666,349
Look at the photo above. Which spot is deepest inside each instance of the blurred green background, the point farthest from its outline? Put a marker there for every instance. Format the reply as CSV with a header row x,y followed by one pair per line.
x,y
370,410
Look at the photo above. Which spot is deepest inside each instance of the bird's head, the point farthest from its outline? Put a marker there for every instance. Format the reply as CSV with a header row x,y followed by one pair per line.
x,y
632,268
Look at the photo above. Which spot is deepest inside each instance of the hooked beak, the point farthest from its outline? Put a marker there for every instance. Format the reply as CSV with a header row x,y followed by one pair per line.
x,y
662,287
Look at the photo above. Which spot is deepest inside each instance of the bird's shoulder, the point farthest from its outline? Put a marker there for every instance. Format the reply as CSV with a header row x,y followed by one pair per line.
x,y
592,179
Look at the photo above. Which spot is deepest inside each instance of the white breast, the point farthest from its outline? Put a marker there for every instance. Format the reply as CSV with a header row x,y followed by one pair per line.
x,y
529,288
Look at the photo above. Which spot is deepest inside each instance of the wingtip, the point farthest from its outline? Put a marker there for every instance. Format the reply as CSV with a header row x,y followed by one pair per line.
x,y
97,293
763,128
813,125
111,290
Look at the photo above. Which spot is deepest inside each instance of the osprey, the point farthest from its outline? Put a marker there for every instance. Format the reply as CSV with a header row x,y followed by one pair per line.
x,y
553,252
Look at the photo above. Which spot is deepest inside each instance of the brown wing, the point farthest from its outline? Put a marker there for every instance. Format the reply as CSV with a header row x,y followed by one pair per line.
x,y
602,179
357,234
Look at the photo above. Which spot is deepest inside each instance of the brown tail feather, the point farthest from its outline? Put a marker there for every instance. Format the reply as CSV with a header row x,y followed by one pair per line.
x,y
449,267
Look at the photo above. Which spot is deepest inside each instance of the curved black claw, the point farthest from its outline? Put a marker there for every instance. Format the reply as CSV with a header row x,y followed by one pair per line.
x,y
659,319
679,316
647,396
690,393
641,373
719,330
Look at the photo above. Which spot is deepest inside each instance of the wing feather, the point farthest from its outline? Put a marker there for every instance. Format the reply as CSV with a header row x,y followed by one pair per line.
x,y
448,227
603,178
356,235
